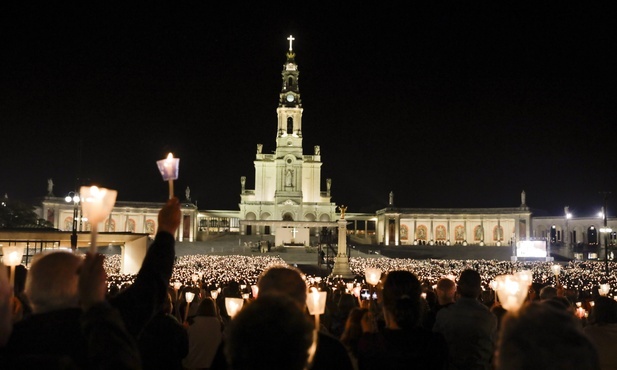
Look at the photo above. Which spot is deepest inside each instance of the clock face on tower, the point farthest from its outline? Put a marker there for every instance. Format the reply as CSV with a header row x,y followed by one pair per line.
x,y
290,97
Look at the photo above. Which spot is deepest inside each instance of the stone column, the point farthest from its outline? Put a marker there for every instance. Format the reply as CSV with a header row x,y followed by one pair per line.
x,y
341,262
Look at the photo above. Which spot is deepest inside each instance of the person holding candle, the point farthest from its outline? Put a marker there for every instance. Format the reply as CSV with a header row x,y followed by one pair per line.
x,y
205,331
54,328
271,332
403,342
542,336
602,330
445,293
469,327
164,342
289,281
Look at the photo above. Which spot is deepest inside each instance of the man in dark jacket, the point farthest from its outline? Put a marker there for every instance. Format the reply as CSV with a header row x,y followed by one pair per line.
x,y
54,330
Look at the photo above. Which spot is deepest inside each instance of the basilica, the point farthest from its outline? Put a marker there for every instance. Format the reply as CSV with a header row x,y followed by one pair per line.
x,y
291,204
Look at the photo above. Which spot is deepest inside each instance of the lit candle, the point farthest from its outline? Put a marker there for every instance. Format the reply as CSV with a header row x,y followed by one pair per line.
x,y
96,205
233,305
12,257
512,291
189,296
255,290
169,168
372,275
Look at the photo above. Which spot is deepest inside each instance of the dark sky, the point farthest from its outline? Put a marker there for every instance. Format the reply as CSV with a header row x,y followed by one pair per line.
x,y
454,104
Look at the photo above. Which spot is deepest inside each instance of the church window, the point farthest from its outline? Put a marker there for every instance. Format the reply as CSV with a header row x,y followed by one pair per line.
x,y
290,125
290,82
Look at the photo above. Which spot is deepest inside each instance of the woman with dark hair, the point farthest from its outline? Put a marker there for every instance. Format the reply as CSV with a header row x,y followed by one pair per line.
x,y
352,333
205,332
403,342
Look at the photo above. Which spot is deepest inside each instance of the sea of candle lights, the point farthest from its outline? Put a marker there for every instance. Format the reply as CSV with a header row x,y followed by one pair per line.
x,y
583,278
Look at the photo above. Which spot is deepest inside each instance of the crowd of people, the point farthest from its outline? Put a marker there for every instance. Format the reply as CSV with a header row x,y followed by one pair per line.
x,y
580,279
79,312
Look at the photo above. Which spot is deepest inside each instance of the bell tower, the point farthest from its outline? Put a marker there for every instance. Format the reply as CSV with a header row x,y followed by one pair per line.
x,y
287,181
288,154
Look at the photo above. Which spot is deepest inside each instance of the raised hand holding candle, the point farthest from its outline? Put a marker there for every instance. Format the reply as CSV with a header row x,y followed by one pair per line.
x,y
11,256
96,205
189,296
169,168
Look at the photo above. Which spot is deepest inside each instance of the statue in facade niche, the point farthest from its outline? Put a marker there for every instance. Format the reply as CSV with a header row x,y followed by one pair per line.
x,y
50,187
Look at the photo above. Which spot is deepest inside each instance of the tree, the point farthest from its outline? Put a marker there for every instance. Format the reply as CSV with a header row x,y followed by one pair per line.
x,y
14,213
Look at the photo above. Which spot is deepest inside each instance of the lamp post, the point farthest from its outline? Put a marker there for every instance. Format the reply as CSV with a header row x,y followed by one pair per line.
x,y
74,197
568,216
606,231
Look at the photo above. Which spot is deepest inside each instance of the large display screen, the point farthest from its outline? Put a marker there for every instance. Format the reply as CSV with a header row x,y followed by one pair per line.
x,y
531,248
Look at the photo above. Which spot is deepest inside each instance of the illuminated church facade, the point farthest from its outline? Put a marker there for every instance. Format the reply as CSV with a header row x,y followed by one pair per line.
x,y
288,202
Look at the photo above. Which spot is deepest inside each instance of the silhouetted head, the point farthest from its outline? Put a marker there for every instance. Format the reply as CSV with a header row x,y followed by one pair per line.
x,y
402,298
469,284
542,336
285,280
273,322
51,283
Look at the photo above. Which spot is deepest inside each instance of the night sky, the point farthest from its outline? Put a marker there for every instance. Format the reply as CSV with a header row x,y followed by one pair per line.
x,y
455,104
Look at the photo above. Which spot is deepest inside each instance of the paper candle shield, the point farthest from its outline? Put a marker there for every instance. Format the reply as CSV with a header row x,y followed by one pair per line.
x,y
189,296
316,302
512,291
169,167
372,275
233,305
11,256
96,203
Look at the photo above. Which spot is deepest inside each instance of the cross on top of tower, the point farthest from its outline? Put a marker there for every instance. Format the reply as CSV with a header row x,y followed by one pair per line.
x,y
291,39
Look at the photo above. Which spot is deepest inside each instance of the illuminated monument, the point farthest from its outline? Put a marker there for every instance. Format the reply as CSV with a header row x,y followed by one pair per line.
x,y
287,200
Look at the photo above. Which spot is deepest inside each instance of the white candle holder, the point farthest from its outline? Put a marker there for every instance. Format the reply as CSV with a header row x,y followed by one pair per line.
x,y
96,205
511,291
372,275
11,256
169,169
316,302
254,291
233,305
